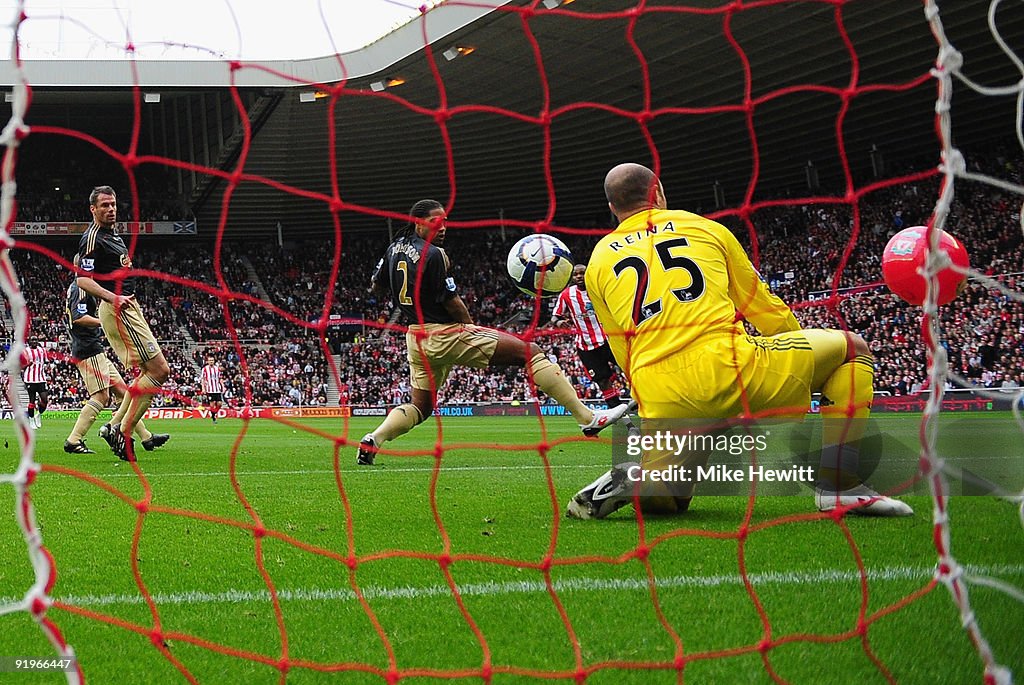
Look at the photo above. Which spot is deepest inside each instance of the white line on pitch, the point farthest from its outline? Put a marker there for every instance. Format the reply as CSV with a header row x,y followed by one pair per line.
x,y
349,472
579,584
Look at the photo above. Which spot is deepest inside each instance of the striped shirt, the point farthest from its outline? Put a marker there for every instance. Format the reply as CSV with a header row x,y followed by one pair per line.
x,y
35,365
210,380
575,302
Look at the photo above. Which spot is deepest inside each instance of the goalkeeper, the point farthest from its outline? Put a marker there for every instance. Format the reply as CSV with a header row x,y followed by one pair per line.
x,y
672,289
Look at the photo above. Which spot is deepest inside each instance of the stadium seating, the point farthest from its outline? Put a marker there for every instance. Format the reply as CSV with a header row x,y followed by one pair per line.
x,y
799,249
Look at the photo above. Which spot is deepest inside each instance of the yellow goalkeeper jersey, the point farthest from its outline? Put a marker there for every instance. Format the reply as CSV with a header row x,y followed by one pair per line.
x,y
666,280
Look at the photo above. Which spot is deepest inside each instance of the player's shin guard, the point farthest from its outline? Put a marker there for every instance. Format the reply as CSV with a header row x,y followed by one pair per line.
x,y
90,410
399,421
550,379
845,407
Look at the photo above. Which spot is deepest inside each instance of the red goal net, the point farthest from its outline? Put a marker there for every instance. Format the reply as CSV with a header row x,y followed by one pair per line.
x,y
257,197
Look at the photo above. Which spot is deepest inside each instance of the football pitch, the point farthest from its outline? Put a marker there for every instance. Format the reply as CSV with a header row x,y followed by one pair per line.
x,y
263,554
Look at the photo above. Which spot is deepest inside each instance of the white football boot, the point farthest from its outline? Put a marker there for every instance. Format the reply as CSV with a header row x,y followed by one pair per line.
x,y
606,417
606,495
864,500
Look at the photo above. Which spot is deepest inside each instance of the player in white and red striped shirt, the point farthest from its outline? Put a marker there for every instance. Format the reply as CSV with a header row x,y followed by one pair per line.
x,y
591,342
212,386
33,372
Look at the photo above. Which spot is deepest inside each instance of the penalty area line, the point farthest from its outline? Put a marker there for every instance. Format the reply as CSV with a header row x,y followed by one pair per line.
x,y
564,585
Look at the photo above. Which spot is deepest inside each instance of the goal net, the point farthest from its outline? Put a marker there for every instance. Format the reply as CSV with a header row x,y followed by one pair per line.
x,y
256,196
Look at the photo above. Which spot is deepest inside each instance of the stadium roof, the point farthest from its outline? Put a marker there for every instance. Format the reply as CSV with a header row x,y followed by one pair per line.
x,y
208,73
201,29
581,69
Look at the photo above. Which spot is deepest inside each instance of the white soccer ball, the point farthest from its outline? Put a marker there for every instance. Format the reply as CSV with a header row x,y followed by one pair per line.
x,y
540,264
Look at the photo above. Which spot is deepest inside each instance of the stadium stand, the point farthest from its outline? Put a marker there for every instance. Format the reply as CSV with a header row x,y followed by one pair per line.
x,y
799,250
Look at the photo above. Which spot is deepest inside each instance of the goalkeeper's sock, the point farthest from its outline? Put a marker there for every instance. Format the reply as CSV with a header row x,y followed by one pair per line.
x,y
550,379
845,407
399,421
90,410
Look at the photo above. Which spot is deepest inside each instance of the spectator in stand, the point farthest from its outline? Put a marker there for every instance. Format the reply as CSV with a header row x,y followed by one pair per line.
x,y
808,242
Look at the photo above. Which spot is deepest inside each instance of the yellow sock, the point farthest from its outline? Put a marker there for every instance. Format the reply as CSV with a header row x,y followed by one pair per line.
x,y
552,381
90,410
845,407
399,421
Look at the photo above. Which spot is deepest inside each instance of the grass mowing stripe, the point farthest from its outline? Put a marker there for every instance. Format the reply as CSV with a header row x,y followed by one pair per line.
x,y
348,472
581,584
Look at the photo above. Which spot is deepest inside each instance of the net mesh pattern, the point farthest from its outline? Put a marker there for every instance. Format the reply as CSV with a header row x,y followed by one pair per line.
x,y
950,574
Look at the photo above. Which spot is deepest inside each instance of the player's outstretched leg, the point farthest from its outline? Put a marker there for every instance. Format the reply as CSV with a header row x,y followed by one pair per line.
x,y
399,421
550,380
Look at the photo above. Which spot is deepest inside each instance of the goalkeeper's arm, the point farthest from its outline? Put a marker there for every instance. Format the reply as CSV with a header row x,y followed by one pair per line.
x,y
751,296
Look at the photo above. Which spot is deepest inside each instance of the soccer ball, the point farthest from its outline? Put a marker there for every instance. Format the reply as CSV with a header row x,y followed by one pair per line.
x,y
905,253
540,264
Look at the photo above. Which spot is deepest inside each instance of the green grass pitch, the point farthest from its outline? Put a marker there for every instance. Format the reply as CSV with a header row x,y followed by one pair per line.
x,y
363,562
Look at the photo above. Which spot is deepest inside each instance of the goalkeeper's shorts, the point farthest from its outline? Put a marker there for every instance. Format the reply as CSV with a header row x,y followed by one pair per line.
x,y
434,348
731,376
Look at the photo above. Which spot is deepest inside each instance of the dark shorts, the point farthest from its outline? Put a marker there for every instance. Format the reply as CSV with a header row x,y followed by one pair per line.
x,y
599,362
214,397
35,389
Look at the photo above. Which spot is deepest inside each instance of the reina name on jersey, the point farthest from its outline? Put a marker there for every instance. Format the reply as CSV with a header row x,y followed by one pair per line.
x,y
639,236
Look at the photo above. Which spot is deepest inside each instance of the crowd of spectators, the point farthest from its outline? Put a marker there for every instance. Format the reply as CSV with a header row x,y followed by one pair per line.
x,y
290,374
803,251
60,193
